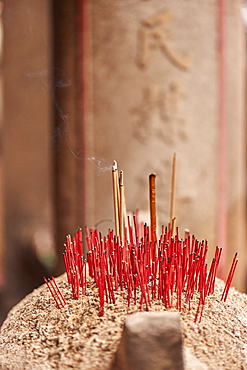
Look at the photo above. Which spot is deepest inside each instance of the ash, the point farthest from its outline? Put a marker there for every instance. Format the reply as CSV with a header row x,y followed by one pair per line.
x,y
37,335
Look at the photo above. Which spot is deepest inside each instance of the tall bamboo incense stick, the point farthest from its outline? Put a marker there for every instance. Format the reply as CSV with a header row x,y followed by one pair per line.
x,y
116,201
173,184
121,208
124,206
152,202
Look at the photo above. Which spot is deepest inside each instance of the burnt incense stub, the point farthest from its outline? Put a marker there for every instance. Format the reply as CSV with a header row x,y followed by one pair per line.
x,y
150,341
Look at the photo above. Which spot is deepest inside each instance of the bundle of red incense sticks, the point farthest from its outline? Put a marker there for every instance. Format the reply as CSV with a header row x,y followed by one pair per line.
x,y
173,274
170,269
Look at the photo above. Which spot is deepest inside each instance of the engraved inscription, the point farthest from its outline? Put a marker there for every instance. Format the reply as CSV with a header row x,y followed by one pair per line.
x,y
157,115
154,34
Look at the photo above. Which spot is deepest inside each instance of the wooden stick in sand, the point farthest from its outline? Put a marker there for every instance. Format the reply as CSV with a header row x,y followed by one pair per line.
x,y
121,208
116,197
152,203
172,201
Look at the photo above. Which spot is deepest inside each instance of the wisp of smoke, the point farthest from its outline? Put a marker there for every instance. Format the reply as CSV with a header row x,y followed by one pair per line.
x,y
100,164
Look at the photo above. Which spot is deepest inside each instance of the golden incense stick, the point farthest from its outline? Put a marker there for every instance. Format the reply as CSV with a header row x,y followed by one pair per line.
x,y
115,184
121,208
172,200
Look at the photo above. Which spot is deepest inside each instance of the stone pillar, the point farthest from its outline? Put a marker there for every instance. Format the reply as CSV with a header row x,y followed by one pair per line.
x,y
26,139
155,88
67,137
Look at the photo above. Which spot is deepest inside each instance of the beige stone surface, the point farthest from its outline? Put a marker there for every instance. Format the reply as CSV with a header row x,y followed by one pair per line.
x,y
192,363
153,85
150,341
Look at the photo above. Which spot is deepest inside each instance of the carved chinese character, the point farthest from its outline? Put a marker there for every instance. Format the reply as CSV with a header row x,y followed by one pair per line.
x,y
157,115
145,112
154,34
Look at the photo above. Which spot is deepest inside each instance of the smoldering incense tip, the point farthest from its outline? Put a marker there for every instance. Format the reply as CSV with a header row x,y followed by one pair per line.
x,y
114,166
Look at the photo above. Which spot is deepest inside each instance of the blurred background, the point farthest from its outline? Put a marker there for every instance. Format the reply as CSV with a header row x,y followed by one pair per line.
x,y
84,83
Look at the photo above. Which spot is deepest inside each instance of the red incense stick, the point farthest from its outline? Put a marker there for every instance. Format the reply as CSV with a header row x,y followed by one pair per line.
x,y
56,292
